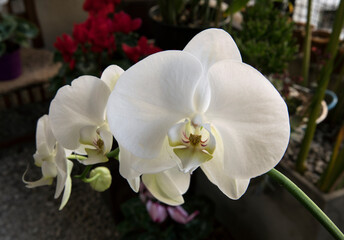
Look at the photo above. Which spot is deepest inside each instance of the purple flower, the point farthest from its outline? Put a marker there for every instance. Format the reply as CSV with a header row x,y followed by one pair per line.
x,y
179,214
156,211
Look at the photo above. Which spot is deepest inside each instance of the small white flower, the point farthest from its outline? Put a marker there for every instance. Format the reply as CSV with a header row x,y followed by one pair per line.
x,y
51,157
199,107
78,116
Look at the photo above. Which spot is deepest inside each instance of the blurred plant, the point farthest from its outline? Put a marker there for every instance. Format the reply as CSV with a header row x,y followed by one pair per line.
x,y
106,37
265,41
150,220
197,13
324,78
14,32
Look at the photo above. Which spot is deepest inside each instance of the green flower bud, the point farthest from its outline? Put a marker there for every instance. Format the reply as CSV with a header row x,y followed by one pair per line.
x,y
103,181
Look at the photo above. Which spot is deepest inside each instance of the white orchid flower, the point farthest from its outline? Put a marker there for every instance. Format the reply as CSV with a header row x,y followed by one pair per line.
x,y
51,157
200,107
78,116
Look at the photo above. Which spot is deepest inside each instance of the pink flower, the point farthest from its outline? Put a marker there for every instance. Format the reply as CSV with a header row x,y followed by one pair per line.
x,y
179,214
156,211
96,6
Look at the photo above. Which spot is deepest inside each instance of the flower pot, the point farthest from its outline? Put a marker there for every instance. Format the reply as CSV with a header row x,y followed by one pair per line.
x,y
268,212
170,36
10,65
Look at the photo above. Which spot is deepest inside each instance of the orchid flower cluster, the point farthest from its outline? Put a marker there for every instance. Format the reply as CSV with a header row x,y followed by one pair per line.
x,y
171,113
106,37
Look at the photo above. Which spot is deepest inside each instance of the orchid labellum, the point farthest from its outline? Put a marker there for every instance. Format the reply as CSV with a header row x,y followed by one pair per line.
x,y
51,157
78,117
175,111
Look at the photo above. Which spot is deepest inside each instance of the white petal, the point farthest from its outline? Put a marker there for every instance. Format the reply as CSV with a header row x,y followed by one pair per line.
x,y
87,135
111,75
62,170
214,170
134,183
165,160
107,138
44,136
49,169
68,186
74,107
41,182
94,156
251,118
210,46
168,186
150,97
213,45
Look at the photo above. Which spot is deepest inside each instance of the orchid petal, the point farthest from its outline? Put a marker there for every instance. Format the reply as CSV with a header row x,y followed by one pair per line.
x,y
44,136
49,169
213,45
168,186
111,75
62,170
254,125
134,183
190,159
68,186
41,182
140,118
216,173
74,107
210,46
106,136
94,156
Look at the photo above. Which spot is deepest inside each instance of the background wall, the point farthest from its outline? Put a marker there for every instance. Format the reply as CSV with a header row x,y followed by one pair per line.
x,y
57,17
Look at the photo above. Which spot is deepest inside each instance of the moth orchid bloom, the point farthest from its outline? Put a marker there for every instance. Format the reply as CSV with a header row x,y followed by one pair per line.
x,y
200,107
51,157
78,117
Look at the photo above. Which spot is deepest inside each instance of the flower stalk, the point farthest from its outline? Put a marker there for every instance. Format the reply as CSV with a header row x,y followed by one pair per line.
x,y
307,203
324,79
307,45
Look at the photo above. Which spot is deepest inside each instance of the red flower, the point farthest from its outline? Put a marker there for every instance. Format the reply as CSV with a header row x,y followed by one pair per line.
x,y
100,35
95,6
140,51
67,47
122,22
80,32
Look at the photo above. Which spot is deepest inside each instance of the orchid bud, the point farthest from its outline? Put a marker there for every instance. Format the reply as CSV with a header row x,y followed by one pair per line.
x,y
103,181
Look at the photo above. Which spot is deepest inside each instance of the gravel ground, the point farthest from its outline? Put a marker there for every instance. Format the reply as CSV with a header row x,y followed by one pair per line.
x,y
27,214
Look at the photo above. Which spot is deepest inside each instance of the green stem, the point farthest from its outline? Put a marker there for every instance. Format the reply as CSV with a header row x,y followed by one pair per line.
x,y
84,173
113,154
88,180
307,203
307,46
324,79
76,157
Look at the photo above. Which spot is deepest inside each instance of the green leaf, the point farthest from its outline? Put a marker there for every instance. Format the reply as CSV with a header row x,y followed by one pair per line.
x,y
236,5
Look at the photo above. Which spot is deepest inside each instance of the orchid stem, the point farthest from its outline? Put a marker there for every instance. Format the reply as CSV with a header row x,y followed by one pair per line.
x,y
113,154
84,173
88,180
307,203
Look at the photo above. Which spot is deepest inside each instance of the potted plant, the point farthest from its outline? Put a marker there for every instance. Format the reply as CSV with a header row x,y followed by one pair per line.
x,y
15,32
174,23
106,37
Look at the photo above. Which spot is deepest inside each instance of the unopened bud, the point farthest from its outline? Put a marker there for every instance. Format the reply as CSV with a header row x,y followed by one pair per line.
x,y
103,181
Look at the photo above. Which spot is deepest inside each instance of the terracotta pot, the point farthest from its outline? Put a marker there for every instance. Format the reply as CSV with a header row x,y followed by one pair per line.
x,y
10,65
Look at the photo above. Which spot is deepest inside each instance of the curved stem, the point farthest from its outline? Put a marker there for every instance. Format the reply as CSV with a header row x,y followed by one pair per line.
x,y
113,154
307,203
89,180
